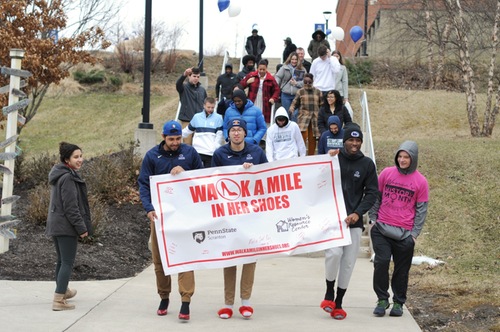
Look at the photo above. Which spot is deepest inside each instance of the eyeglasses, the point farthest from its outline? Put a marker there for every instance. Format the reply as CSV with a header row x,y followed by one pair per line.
x,y
308,82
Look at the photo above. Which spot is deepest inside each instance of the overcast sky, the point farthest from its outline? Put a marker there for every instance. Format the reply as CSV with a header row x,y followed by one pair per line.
x,y
276,20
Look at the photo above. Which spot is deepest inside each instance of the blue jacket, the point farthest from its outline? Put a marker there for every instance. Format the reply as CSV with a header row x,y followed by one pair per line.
x,y
256,125
328,140
251,153
158,161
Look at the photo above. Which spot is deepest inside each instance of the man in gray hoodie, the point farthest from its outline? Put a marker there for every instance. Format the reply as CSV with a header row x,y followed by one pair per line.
x,y
398,216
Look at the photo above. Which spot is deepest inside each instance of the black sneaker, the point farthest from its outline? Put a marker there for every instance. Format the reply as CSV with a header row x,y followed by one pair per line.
x,y
397,310
379,310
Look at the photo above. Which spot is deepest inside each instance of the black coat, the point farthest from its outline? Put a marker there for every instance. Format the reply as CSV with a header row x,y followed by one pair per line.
x,y
69,211
288,50
325,113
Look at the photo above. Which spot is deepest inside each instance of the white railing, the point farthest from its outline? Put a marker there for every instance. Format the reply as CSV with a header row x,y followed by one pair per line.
x,y
368,148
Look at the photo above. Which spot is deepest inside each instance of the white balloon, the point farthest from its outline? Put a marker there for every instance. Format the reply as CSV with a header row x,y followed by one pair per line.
x,y
234,9
337,33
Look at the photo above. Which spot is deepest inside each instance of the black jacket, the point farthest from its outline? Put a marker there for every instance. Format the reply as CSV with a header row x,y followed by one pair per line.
x,y
288,50
69,211
192,98
225,84
325,113
359,183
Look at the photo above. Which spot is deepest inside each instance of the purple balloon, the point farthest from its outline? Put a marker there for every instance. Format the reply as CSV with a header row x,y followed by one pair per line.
x,y
223,5
356,33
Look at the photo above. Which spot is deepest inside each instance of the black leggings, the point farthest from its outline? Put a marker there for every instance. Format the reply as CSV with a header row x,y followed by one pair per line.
x,y
66,253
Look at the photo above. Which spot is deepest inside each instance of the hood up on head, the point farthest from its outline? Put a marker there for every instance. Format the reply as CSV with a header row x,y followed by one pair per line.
x,y
411,148
281,112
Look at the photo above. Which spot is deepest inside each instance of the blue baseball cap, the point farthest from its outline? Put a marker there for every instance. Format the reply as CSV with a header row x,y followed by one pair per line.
x,y
172,128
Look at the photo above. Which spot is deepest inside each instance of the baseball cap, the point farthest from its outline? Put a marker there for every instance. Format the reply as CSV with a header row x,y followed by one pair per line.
x,y
172,128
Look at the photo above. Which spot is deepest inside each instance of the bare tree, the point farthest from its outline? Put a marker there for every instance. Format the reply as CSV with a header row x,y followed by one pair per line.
x,y
458,30
491,113
164,41
85,14
462,31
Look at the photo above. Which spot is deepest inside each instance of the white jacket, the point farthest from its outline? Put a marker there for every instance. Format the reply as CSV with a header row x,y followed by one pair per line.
x,y
285,142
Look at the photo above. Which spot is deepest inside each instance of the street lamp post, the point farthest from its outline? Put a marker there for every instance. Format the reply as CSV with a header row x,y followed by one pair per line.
x,y
200,51
327,16
366,29
147,68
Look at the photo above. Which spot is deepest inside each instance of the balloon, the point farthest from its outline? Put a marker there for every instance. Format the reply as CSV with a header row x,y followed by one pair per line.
x,y
223,4
328,31
356,33
234,9
338,33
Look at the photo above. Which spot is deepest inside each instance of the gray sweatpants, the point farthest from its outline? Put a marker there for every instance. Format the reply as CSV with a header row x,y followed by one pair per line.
x,y
340,260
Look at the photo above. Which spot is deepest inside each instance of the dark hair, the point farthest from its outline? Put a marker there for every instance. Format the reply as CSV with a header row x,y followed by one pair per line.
x,y
311,76
322,50
195,71
66,150
341,59
338,100
263,62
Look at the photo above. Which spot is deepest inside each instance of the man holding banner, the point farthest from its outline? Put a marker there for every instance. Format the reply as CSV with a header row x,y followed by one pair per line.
x,y
169,157
247,209
238,152
360,189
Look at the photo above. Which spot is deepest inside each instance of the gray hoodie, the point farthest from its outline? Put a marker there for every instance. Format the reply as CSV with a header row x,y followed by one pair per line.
x,y
411,148
400,233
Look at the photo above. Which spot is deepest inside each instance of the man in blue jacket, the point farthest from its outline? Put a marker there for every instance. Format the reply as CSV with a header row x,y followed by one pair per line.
x,y
241,107
169,157
238,152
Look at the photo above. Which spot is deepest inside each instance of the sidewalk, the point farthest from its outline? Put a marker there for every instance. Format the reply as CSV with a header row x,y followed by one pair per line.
x,y
286,297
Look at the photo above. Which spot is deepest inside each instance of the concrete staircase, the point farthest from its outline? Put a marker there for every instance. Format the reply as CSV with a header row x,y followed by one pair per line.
x,y
273,62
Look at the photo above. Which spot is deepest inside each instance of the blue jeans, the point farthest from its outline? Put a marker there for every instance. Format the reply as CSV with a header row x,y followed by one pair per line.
x,y
286,102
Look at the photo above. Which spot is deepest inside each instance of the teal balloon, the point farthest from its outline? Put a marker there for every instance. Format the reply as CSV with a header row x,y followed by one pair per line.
x,y
223,5
356,33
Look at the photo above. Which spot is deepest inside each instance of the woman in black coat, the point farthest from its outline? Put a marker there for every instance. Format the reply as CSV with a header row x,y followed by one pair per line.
x,y
332,105
68,218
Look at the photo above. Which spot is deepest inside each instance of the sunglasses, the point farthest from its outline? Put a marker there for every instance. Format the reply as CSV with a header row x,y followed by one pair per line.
x,y
308,82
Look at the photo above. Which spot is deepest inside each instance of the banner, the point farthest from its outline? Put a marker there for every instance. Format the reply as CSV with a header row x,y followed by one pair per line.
x,y
225,216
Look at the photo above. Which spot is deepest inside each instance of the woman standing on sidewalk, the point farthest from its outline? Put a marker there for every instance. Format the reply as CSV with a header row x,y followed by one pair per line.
x,y
68,218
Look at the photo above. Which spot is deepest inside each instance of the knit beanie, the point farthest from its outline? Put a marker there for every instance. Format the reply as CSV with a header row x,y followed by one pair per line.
x,y
352,130
237,122
240,94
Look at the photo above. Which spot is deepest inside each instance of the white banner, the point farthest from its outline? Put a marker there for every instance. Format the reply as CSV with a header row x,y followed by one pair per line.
x,y
224,216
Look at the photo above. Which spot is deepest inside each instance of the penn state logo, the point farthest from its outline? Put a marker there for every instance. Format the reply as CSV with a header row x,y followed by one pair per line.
x,y
199,236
